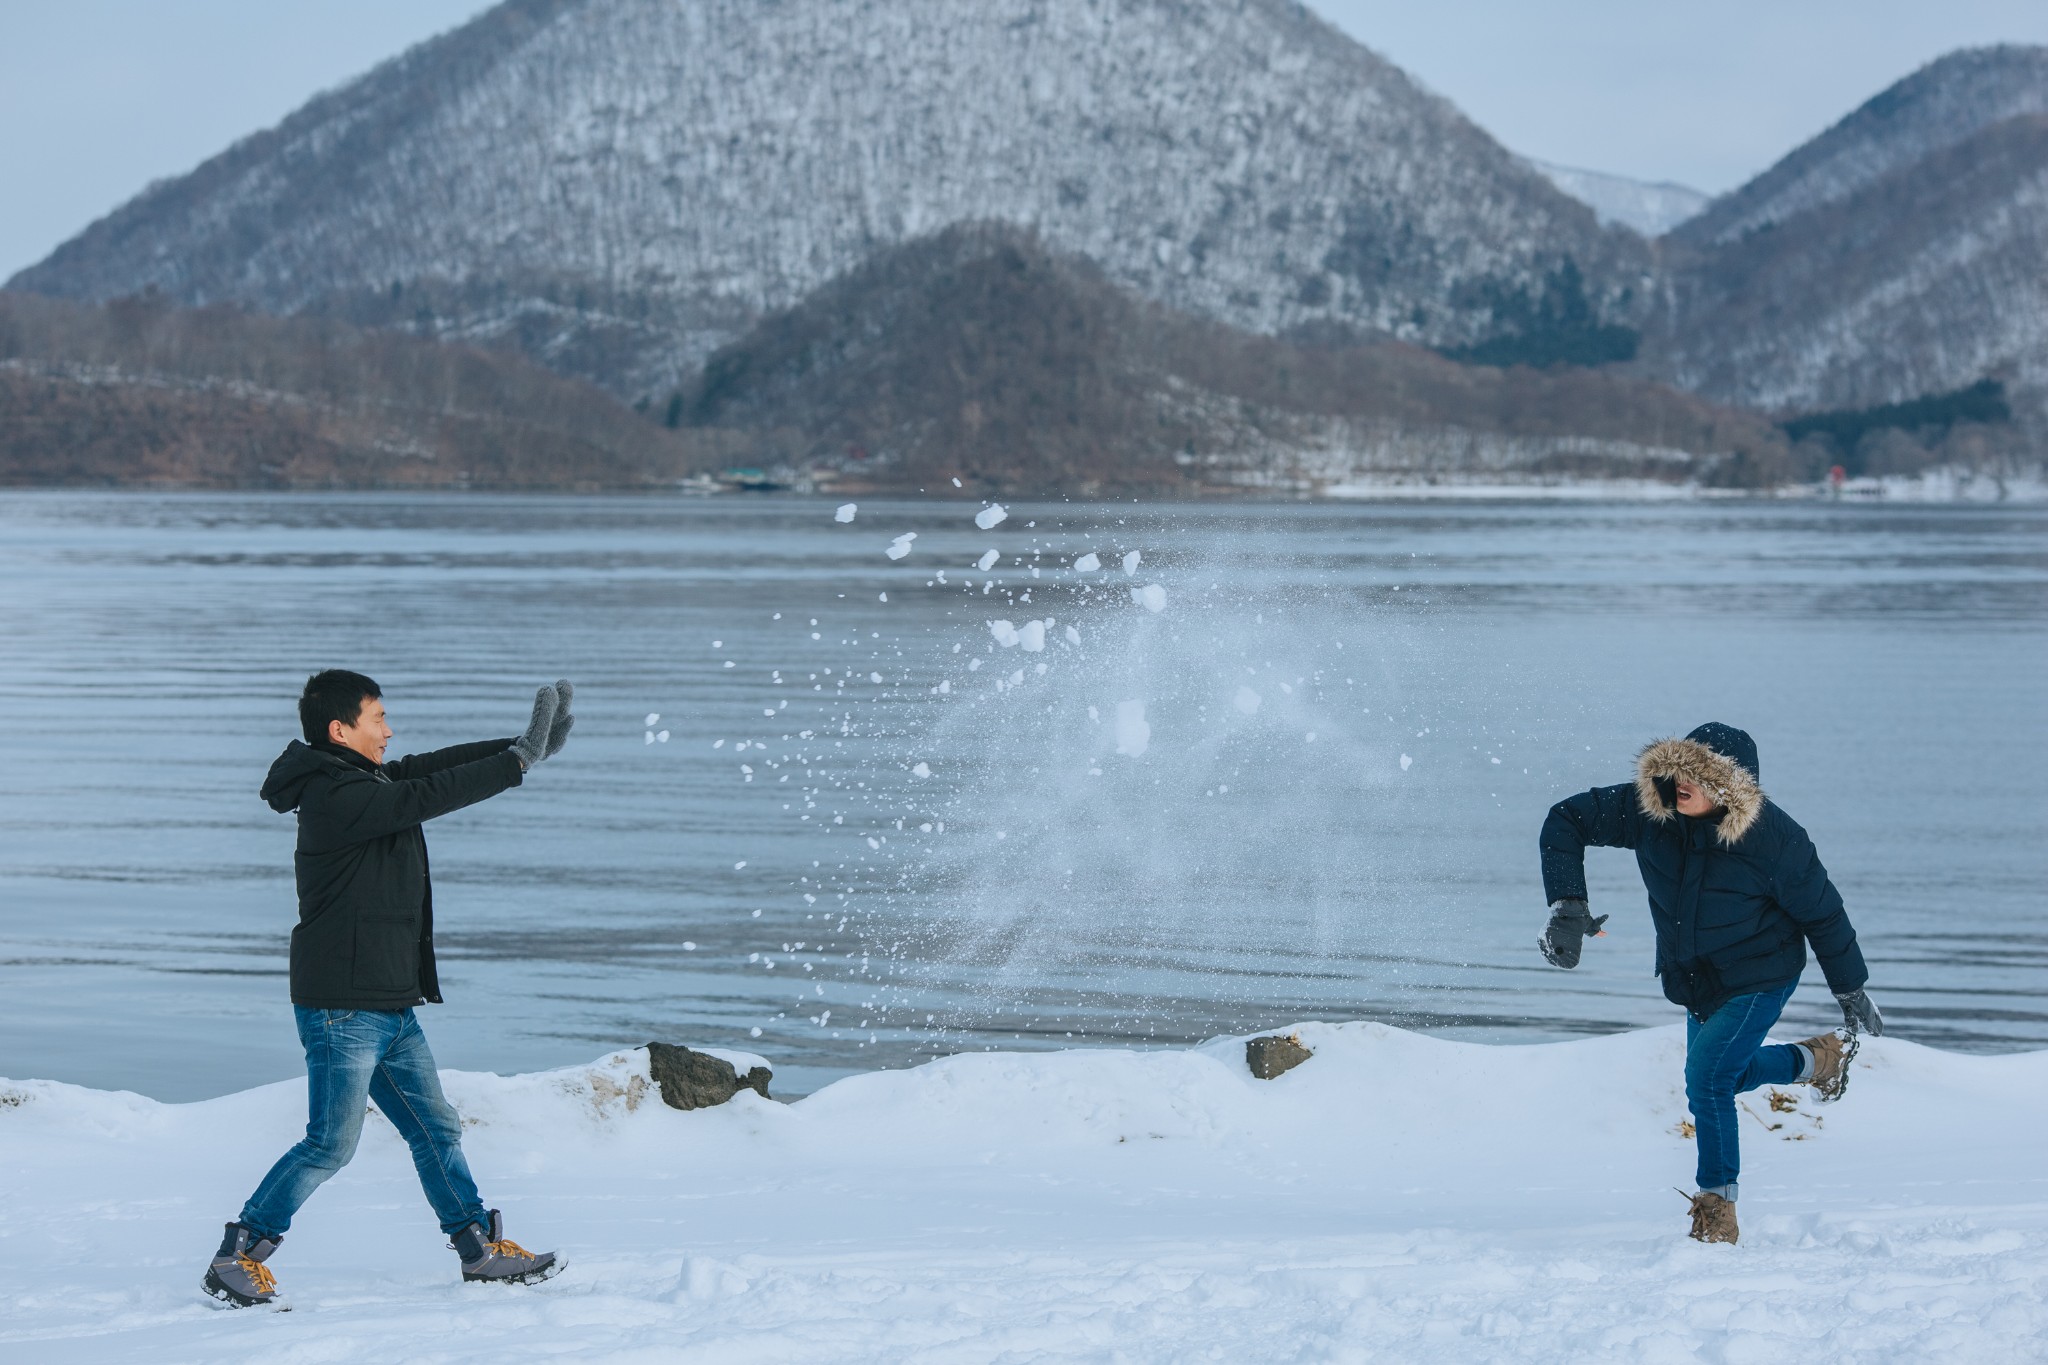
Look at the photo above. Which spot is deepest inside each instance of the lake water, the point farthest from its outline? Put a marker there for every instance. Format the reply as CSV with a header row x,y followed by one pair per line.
x,y
1308,785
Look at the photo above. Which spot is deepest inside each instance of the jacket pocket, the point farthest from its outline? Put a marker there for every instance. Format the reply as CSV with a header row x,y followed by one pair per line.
x,y
387,956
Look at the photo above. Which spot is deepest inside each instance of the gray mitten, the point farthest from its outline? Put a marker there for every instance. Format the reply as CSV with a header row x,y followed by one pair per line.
x,y
558,733
532,746
1571,924
1859,1014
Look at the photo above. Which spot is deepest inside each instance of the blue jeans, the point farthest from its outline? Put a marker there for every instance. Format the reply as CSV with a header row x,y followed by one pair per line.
x,y
1724,1057
353,1056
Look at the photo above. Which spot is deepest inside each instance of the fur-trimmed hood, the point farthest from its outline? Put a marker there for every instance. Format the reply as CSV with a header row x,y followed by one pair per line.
x,y
1718,757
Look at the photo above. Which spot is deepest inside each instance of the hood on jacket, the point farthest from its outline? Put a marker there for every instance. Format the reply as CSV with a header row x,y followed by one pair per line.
x,y
1718,757
300,762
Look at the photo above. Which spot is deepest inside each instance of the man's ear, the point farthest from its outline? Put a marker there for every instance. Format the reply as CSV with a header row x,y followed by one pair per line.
x,y
334,735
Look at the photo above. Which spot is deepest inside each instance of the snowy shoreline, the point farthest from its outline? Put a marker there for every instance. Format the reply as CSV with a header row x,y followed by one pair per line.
x,y
1395,1196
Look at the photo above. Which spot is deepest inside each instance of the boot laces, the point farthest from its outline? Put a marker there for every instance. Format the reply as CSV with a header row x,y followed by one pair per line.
x,y
508,1247
258,1273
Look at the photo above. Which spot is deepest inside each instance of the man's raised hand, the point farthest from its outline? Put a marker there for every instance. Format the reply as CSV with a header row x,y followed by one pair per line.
x,y
558,733
1571,924
532,746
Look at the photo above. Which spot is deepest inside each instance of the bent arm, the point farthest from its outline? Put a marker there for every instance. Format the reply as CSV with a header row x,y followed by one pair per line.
x,y
1605,817
1801,887
351,812
440,760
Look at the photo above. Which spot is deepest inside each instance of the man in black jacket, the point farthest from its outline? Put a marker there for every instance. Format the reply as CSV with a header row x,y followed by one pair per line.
x,y
1737,892
362,957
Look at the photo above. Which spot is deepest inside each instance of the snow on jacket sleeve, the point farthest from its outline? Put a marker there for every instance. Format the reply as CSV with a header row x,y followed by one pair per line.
x,y
1605,817
368,808
440,760
1801,887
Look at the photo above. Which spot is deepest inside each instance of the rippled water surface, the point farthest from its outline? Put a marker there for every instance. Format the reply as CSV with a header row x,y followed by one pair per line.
x,y
1308,785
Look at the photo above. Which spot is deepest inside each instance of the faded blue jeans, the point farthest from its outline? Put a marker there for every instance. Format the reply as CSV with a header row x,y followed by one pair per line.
x,y
353,1056
1724,1057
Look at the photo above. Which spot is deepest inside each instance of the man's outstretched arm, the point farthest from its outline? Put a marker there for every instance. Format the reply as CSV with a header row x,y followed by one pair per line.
x,y
1605,816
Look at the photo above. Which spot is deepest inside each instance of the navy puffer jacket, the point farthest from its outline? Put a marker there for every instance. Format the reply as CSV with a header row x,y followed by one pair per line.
x,y
1736,895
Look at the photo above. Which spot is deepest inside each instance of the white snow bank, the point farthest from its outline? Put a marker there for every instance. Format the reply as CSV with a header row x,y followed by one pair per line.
x,y
1397,1197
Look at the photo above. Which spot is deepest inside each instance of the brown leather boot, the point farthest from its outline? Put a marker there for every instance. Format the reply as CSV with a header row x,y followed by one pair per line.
x,y
1832,1054
1713,1219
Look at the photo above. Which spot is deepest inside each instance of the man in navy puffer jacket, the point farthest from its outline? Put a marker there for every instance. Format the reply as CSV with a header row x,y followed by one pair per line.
x,y
1737,892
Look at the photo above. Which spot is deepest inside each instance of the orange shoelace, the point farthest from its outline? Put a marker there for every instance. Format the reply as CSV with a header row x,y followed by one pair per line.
x,y
508,1247
259,1275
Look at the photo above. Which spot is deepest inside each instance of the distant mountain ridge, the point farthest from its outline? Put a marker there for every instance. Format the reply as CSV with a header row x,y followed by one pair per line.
x,y
1942,105
1652,208
1902,253
619,186
979,354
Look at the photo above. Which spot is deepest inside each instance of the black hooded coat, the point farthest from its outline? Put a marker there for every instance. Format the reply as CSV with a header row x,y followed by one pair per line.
x,y
1736,895
365,936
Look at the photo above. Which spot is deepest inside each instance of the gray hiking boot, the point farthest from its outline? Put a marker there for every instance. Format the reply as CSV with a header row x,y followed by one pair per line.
x,y
1713,1218
487,1254
1832,1054
238,1276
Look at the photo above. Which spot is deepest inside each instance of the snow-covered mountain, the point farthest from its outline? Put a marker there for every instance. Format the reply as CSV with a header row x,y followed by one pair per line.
x,y
1651,208
621,185
1904,252
1940,106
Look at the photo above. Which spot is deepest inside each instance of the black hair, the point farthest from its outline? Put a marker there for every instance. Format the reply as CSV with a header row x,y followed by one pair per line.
x,y
335,694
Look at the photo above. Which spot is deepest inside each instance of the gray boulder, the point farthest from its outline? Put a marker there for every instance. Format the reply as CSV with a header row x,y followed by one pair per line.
x,y
697,1080
1268,1057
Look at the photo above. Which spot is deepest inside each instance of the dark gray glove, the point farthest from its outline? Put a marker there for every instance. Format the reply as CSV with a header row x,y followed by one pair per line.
x,y
1859,1014
558,733
532,746
1571,924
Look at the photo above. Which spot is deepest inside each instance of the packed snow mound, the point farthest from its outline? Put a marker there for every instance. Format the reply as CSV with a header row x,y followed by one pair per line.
x,y
1394,1195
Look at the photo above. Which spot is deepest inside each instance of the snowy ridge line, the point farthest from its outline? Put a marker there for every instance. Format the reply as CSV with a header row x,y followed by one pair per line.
x,y
1395,1196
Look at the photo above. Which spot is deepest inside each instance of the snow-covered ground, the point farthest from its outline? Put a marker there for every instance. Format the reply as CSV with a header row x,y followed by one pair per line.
x,y
1397,1197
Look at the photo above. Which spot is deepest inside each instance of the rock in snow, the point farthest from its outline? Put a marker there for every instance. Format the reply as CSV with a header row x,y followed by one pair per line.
x,y
1274,1055
1399,1198
697,1080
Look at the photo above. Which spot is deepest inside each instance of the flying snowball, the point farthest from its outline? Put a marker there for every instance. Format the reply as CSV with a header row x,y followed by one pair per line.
x,y
1089,562
1151,597
1073,636
1005,633
991,516
1031,637
987,561
921,770
846,511
1131,561
1405,761
900,546
652,716
1133,734
1247,701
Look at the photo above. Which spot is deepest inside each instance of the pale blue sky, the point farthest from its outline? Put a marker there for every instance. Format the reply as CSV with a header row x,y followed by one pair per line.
x,y
99,97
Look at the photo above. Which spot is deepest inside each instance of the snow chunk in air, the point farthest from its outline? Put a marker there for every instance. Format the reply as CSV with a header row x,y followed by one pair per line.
x,y
1151,597
1088,563
846,511
1133,733
900,546
991,516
